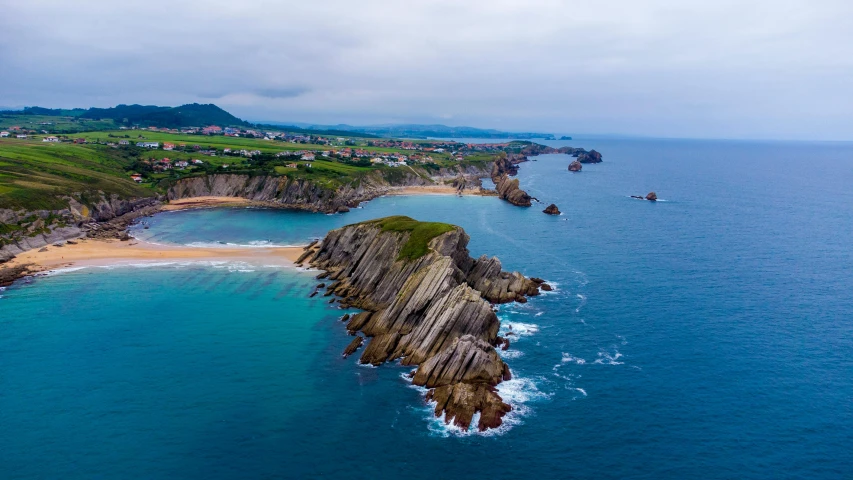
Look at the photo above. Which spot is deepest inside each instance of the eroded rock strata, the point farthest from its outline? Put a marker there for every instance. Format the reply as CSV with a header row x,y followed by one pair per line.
x,y
426,302
507,187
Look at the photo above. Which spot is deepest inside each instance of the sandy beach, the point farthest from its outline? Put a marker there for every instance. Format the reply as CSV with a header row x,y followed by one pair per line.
x,y
90,252
205,202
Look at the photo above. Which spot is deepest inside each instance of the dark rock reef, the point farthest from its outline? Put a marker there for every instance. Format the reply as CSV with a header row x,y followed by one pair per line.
x,y
575,166
552,210
651,196
427,303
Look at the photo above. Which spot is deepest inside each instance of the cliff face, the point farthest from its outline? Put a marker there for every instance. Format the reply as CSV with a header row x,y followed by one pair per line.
x,y
22,230
305,194
432,310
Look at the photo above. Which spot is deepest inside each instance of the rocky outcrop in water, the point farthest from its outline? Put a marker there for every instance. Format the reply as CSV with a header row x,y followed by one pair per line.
x,y
575,166
507,187
433,310
651,196
589,157
552,210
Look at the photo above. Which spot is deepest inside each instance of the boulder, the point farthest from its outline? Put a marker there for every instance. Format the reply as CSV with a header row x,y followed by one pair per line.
x,y
552,210
575,166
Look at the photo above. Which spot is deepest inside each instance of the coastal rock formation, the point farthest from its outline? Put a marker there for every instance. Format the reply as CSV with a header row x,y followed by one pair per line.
x,y
427,303
651,196
552,210
509,190
589,157
282,191
575,166
506,187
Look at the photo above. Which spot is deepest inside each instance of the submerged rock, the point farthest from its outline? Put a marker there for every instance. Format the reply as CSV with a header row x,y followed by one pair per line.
x,y
552,210
575,166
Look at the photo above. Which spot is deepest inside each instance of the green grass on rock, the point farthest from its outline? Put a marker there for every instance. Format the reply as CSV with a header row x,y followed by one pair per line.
x,y
420,233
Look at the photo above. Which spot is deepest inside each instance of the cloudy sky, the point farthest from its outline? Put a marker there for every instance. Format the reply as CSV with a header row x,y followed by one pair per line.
x,y
716,68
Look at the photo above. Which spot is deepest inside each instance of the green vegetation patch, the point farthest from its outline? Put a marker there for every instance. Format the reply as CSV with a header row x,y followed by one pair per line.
x,y
420,233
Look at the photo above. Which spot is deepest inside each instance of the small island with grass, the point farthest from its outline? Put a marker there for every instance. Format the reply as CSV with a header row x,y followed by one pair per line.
x,y
427,303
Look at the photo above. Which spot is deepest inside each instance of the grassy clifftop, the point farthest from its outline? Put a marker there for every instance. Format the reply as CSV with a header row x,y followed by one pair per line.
x,y
34,176
420,233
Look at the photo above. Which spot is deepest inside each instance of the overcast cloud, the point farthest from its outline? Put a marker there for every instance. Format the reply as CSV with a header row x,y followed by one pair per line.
x,y
721,68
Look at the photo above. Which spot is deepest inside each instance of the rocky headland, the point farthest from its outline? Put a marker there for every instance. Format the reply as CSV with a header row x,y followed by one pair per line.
x,y
426,302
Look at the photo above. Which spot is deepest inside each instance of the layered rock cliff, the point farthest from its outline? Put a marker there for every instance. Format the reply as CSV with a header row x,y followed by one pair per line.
x,y
104,216
507,187
305,194
427,303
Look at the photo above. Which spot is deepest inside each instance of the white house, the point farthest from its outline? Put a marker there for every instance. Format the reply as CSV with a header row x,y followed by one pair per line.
x,y
22,136
148,144
50,139
4,134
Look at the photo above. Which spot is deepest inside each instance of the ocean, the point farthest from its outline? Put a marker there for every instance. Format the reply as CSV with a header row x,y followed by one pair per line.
x,y
708,335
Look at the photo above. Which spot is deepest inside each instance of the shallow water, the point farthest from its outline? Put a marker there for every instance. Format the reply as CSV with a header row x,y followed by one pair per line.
x,y
708,335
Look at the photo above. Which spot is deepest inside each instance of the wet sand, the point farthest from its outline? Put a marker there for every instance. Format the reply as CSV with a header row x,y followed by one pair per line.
x,y
90,252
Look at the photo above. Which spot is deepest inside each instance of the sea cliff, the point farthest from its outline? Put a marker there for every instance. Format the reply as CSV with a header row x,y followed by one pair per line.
x,y
305,194
427,303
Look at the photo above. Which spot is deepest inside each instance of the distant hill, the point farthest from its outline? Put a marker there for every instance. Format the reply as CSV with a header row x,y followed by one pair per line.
x,y
190,115
423,131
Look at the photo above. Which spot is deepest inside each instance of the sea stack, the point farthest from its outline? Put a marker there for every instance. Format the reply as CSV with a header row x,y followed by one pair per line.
x,y
506,187
652,197
589,157
575,166
552,210
427,303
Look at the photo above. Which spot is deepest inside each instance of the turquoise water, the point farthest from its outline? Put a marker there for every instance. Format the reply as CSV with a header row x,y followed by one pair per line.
x,y
708,335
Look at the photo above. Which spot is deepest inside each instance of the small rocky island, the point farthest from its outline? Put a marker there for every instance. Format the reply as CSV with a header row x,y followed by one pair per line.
x,y
575,166
427,303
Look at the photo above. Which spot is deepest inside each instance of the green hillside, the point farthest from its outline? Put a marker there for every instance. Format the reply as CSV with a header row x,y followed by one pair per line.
x,y
190,115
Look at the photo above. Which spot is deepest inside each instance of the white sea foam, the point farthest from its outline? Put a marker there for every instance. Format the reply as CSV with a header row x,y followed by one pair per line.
x,y
608,358
516,392
519,329
582,299
569,358
60,271
251,244
510,354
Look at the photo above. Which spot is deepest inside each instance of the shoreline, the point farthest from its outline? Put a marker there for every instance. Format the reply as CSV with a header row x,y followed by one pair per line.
x,y
110,249
99,252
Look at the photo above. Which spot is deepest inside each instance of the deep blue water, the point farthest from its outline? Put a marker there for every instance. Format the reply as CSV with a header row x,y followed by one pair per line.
x,y
708,335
